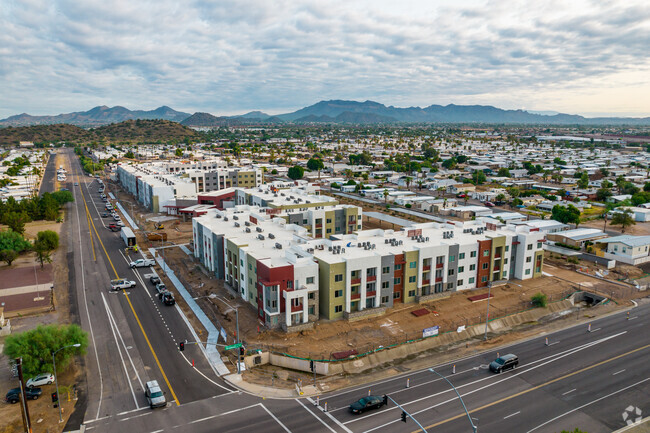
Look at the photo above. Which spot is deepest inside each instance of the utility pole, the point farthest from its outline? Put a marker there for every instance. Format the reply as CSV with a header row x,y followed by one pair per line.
x,y
23,401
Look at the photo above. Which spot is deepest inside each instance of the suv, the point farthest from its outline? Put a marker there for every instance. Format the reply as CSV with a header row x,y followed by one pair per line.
x,y
121,284
41,379
167,298
505,362
13,396
153,278
141,263
161,288
155,396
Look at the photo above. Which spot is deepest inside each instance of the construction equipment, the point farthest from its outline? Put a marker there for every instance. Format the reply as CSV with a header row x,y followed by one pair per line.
x,y
157,236
159,226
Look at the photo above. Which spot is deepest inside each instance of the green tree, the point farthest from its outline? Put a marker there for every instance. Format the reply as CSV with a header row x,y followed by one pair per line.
x,y
623,219
8,256
583,182
49,239
449,164
315,164
603,194
503,172
566,215
296,172
461,159
646,187
641,198
16,221
178,152
36,347
11,240
478,177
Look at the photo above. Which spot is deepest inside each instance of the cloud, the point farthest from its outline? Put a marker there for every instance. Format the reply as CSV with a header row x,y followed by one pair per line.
x,y
234,56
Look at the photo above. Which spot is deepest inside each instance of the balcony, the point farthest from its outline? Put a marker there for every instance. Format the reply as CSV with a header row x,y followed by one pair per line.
x,y
370,278
319,225
355,281
426,268
497,256
296,308
440,265
371,293
426,282
355,296
439,280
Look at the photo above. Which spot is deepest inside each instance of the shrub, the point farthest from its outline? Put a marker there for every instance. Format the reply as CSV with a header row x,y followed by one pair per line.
x,y
539,300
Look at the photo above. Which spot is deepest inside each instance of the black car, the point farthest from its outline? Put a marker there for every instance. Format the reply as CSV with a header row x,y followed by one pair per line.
x,y
167,298
155,279
505,362
366,403
13,396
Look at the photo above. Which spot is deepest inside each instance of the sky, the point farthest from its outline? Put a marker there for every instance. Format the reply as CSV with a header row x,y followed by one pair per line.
x,y
230,57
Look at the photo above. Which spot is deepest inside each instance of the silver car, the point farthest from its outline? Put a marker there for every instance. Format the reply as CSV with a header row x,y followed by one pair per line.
x,y
155,396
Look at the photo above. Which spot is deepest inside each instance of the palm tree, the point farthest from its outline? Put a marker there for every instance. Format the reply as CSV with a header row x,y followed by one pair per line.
x,y
385,196
420,183
408,180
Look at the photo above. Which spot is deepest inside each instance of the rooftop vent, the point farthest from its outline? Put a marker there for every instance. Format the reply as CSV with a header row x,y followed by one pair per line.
x,y
260,237
271,236
259,229
248,230
278,245
237,224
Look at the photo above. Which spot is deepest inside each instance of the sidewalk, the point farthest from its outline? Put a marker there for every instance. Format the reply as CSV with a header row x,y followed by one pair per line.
x,y
269,392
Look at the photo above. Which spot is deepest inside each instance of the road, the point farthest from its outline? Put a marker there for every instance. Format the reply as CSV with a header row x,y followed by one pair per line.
x,y
580,379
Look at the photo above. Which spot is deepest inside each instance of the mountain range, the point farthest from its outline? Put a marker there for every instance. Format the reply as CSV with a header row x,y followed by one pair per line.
x,y
333,111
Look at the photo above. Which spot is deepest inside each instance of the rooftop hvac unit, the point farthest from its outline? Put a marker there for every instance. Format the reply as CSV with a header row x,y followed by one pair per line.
x,y
260,237
259,229
237,224
218,216
235,217
271,236
282,194
278,245
225,218
329,249
247,223
248,230
386,241
343,250
310,250
374,246
359,245
427,239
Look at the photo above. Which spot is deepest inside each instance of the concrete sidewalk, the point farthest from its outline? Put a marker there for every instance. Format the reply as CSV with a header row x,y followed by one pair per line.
x,y
270,392
126,215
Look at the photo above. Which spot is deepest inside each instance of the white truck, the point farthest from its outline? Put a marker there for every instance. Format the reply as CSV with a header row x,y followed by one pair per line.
x,y
121,284
142,263
128,237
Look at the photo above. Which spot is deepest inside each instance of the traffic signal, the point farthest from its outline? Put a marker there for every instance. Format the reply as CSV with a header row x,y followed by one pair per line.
x,y
181,346
311,365
241,352
55,397
403,416
385,400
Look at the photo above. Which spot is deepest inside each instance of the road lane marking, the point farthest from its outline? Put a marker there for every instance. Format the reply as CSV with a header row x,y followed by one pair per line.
x,y
618,372
275,418
512,414
590,403
220,414
119,351
330,416
137,319
83,286
315,416
569,391
134,416
582,370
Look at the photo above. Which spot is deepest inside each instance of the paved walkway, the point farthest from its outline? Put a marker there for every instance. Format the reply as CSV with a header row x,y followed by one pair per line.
x,y
126,215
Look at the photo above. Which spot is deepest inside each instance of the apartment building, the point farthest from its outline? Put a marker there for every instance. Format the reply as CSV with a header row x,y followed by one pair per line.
x,y
267,258
154,191
216,180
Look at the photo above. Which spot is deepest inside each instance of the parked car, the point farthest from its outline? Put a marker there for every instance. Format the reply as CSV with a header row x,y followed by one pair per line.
x,y
367,403
105,215
113,228
461,196
76,184
153,278
154,395
13,396
161,288
141,263
489,204
167,298
40,380
505,362
119,223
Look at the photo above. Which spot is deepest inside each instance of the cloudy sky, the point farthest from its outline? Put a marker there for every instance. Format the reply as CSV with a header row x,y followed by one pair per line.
x,y
229,57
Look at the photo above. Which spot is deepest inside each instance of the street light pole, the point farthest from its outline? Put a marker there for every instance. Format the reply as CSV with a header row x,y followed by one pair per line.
x,y
474,428
56,382
237,331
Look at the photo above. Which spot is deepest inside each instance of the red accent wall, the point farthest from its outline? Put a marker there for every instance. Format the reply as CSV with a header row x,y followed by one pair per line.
x,y
480,272
399,260
216,199
277,274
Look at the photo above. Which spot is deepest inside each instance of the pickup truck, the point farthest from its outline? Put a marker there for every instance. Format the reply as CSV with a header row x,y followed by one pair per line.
x,y
141,263
121,284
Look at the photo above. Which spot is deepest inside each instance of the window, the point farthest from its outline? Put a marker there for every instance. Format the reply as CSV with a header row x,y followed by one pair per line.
x,y
505,274
483,279
486,253
384,299
412,279
371,272
329,230
472,267
289,284
450,272
274,304
452,259
329,220
338,229
527,272
398,267
460,282
304,222
461,269
529,259
311,310
411,293
385,285
312,295
397,280
485,266
461,256
505,261
507,248
529,247
385,270
338,277
250,267
338,293
310,280
242,262
450,286
472,253
539,245
471,280
413,265
397,295
338,308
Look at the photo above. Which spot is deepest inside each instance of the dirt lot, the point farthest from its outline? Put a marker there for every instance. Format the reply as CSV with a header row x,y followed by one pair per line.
x,y
639,229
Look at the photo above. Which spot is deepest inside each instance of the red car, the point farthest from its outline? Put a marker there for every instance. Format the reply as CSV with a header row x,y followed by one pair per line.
x,y
489,204
114,228
461,196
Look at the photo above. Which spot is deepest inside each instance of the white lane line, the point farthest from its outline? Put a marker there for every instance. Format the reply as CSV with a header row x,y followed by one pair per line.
x,y
512,414
135,416
206,377
131,411
315,416
586,346
119,351
114,322
330,416
222,414
590,403
83,286
275,418
618,372
569,391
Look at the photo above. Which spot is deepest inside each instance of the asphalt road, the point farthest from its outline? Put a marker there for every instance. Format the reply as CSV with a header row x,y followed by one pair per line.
x,y
49,177
581,379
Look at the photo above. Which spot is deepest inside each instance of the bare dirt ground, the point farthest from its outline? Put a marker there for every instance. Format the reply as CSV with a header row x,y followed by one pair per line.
x,y
639,229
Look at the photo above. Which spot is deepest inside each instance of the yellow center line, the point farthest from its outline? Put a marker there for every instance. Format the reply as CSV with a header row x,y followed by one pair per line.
x,y
462,415
133,310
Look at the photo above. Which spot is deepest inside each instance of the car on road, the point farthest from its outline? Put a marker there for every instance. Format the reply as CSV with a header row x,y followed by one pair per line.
x,y
41,379
461,196
141,263
153,278
489,204
154,395
119,223
520,206
167,298
116,217
367,403
121,284
113,228
105,215
13,396
505,362
76,184
161,288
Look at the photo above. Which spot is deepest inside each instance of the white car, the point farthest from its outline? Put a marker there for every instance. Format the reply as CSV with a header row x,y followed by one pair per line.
x,y
40,380
141,263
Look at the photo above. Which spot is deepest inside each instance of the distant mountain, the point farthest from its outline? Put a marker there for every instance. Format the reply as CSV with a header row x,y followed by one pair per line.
x,y
374,112
97,116
252,115
206,120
